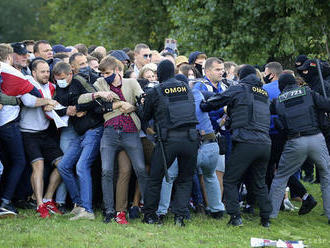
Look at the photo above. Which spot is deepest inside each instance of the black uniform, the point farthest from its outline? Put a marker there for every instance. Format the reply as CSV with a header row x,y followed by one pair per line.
x,y
171,105
248,108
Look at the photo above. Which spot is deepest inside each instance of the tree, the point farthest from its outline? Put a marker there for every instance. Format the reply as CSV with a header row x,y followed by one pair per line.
x,y
253,31
114,24
23,19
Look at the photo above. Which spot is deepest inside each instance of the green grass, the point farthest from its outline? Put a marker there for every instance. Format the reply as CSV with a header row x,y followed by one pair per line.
x,y
31,231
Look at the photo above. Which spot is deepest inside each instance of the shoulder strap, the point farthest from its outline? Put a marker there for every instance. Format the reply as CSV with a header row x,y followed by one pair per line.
x,y
88,87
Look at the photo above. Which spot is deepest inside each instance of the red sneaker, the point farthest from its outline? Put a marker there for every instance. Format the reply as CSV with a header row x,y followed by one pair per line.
x,y
51,206
43,211
121,218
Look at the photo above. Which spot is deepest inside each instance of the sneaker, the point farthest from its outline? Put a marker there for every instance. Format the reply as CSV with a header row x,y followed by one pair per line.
x,y
161,218
134,212
217,215
108,217
83,215
9,207
235,220
76,210
178,221
121,218
307,205
5,213
25,204
265,222
51,206
151,219
43,211
62,207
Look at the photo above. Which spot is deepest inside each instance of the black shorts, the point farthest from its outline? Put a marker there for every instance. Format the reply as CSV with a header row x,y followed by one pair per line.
x,y
41,146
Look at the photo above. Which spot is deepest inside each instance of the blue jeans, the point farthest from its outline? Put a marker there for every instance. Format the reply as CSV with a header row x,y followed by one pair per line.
x,y
166,191
68,134
208,155
112,142
11,138
83,150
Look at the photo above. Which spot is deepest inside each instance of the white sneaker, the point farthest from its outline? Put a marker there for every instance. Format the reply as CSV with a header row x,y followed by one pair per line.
x,y
84,215
76,210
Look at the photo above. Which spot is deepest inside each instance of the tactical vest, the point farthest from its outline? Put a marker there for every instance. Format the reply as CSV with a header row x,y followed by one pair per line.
x,y
176,106
296,111
251,111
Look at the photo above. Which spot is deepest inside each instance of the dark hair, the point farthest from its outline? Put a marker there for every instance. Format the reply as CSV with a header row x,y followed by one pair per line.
x,y
61,56
128,73
186,68
99,56
275,68
209,62
74,56
28,42
82,48
164,54
91,49
36,45
61,67
36,62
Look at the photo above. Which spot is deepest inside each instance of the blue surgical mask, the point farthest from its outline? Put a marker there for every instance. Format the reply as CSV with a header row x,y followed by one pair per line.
x,y
62,83
111,78
85,70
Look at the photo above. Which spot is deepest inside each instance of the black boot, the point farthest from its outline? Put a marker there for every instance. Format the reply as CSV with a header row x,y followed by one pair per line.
x,y
235,220
307,205
178,220
265,222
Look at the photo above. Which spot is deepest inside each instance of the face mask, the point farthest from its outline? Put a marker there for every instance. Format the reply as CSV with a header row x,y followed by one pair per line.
x,y
62,83
191,77
31,56
267,78
85,70
111,78
199,68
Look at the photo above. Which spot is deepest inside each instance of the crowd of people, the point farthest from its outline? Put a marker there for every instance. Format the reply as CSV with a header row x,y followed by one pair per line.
x,y
84,128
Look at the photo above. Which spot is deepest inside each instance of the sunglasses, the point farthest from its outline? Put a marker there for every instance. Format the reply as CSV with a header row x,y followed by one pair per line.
x,y
147,56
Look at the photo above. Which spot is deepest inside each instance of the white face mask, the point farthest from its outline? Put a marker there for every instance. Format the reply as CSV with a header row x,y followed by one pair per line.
x,y
62,83
191,77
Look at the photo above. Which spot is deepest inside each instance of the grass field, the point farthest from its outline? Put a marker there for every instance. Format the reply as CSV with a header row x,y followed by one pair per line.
x,y
30,231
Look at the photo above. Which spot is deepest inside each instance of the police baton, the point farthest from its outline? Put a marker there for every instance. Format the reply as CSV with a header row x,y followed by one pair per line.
x,y
321,77
159,138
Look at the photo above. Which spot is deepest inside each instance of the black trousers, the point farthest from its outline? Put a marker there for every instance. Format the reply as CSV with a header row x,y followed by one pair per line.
x,y
184,147
252,158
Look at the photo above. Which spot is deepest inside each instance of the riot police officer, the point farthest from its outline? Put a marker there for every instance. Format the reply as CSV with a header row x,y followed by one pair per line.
x,y
248,107
171,105
298,109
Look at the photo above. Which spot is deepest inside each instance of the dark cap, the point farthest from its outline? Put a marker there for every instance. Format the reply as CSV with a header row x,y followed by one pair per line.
x,y
120,55
19,48
285,79
61,49
246,70
165,70
193,56
300,60
309,64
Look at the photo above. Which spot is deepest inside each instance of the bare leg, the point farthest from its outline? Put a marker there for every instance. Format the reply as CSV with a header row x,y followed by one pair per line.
x,y
37,180
201,179
54,181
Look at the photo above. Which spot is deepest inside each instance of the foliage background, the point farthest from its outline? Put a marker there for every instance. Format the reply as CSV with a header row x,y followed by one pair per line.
x,y
251,31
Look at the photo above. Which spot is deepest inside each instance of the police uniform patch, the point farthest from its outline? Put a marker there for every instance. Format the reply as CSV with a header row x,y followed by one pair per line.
x,y
292,94
176,93
259,91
